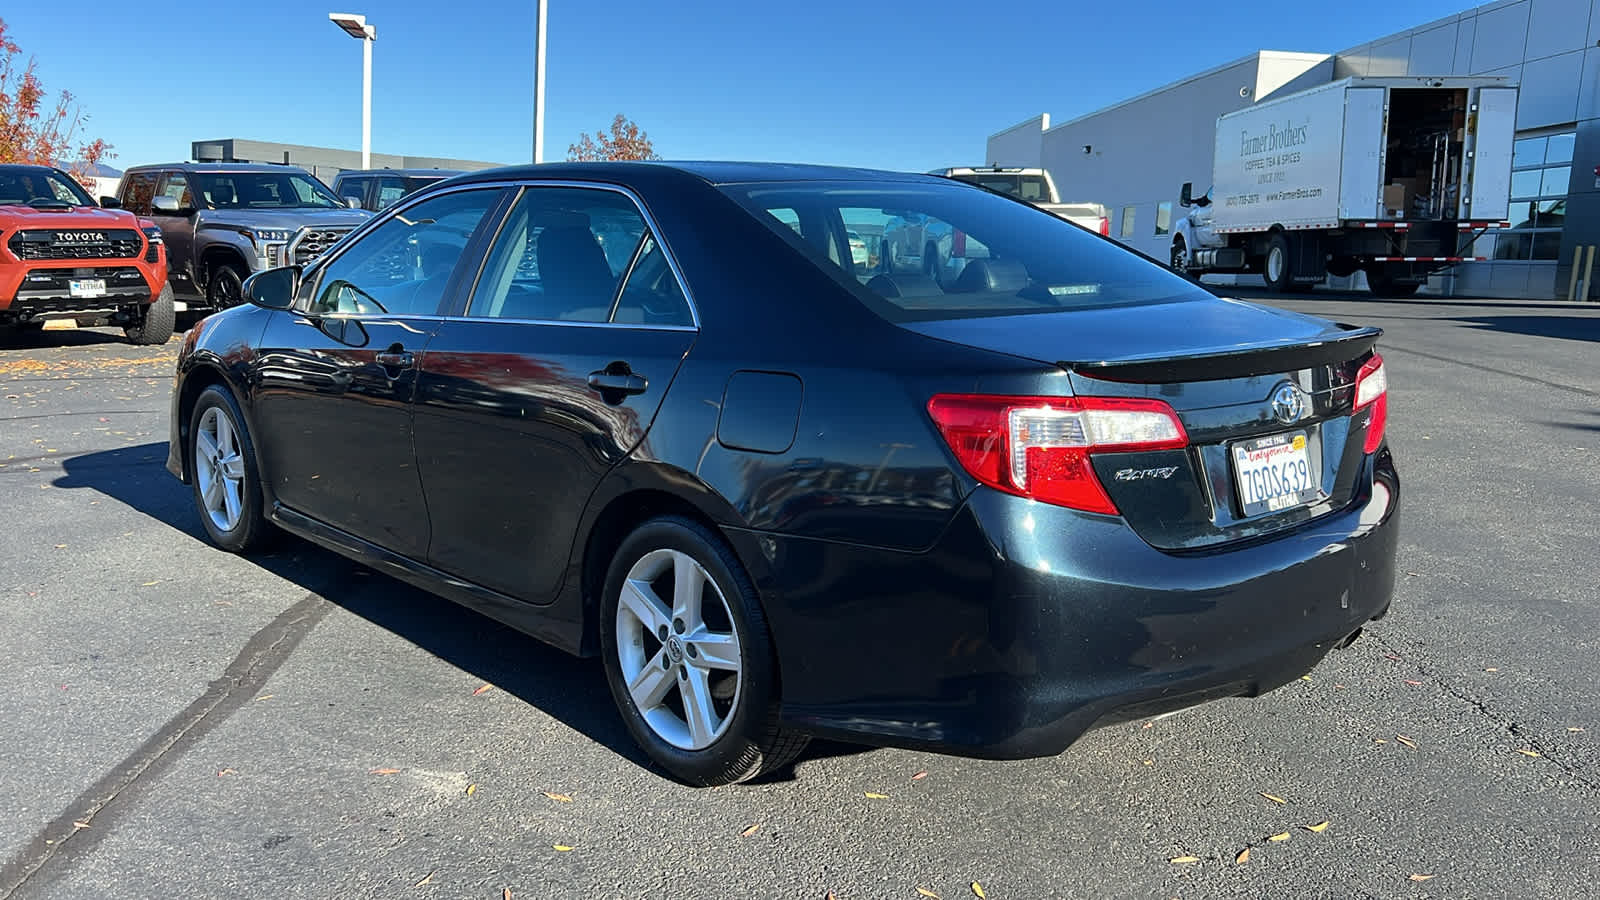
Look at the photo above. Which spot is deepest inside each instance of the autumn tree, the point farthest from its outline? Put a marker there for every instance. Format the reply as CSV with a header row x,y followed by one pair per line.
x,y
33,130
625,141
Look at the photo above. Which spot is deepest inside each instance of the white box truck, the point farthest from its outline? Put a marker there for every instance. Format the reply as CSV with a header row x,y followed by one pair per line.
x,y
1397,177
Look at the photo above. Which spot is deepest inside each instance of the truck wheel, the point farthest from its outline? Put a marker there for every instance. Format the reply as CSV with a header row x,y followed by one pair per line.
x,y
1180,256
1381,282
225,287
1277,269
155,327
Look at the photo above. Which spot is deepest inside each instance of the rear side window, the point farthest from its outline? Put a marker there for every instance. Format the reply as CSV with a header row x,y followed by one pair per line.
x,y
917,251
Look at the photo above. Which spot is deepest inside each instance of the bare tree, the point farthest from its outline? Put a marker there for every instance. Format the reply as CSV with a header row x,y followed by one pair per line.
x,y
35,131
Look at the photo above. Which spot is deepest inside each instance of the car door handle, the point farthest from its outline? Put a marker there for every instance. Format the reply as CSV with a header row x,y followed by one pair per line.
x,y
394,358
618,382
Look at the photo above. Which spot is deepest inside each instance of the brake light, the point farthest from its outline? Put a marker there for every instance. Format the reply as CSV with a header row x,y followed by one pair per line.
x,y
1372,390
1105,226
1039,447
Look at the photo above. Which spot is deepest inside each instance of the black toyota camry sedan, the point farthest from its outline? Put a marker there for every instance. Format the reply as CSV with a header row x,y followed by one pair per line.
x,y
692,418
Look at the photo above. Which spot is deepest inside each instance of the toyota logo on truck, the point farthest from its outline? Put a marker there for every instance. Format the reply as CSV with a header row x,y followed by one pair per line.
x,y
80,237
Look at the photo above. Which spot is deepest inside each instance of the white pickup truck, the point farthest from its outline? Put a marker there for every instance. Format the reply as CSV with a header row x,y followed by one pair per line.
x,y
1036,187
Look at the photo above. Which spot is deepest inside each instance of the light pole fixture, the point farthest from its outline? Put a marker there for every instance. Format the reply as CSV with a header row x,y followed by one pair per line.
x,y
538,82
357,27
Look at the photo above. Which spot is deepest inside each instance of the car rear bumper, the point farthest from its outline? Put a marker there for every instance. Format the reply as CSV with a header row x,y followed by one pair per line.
x,y
1027,624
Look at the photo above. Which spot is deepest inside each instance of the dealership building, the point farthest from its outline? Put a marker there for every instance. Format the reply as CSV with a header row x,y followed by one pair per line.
x,y
1135,155
323,162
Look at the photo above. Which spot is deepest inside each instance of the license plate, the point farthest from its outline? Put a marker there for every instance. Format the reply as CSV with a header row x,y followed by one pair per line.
x,y
87,288
1274,473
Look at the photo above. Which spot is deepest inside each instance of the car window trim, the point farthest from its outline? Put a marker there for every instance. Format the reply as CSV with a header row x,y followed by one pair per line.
x,y
650,227
477,244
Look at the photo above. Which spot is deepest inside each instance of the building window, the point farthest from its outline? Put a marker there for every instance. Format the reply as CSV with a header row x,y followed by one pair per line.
x,y
1164,218
1127,221
1541,168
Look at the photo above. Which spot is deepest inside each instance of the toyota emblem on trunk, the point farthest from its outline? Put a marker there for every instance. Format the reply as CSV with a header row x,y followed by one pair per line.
x,y
1288,403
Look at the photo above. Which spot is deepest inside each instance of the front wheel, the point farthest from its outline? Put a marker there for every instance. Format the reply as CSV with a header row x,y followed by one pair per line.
x,y
1180,256
1277,270
156,323
227,484
689,658
225,287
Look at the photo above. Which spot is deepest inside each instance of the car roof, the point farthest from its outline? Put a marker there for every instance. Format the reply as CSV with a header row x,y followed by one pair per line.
x,y
712,172
404,173
29,167
204,168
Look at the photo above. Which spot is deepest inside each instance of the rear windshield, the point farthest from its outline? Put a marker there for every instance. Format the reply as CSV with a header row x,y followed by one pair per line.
x,y
941,250
1026,187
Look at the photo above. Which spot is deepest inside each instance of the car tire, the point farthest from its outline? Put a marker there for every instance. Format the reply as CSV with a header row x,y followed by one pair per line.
x,y
1277,267
226,482
224,286
1179,261
658,676
156,326
1382,284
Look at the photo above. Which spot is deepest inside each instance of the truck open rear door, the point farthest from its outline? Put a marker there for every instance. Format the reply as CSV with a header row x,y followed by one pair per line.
x,y
1361,163
1493,127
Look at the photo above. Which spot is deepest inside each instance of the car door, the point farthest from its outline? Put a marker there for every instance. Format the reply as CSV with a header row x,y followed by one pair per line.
x,y
551,376
336,375
177,231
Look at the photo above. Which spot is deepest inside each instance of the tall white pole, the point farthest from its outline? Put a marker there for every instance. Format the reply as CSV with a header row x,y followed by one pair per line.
x,y
538,84
366,97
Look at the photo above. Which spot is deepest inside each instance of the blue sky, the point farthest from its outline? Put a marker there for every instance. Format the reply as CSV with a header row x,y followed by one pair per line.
x,y
891,85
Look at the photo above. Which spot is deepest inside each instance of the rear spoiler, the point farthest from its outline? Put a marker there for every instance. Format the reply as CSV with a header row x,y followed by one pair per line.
x,y
1213,365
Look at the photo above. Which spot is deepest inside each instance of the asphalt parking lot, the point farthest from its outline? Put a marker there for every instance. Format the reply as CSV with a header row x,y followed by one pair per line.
x,y
183,723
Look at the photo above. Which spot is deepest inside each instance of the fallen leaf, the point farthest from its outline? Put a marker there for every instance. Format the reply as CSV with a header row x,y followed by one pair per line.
x,y
559,798
505,894
1391,656
977,890
61,546
1422,877
1183,860
222,772
1273,797
1574,730
875,796
385,771
1148,725
1305,677
151,583
1149,762
1413,683
1243,857
918,777
483,690
1280,837
1379,741
1405,740
561,848
80,824
1533,753
265,697
471,789
924,892
830,896
1319,828
428,879
750,830
1491,670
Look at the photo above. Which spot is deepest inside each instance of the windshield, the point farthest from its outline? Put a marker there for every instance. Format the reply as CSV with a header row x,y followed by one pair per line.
x,y
40,187
263,190
942,251
1027,187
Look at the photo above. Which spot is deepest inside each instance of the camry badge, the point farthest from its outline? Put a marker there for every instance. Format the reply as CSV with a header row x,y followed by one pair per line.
x,y
1288,403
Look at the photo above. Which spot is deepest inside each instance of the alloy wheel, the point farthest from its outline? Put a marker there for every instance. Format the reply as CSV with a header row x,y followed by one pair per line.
x,y
219,469
678,649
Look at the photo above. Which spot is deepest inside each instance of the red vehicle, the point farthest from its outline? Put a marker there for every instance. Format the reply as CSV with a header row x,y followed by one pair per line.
x,y
62,256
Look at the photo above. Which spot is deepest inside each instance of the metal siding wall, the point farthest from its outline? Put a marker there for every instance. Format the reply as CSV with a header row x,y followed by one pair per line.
x,y
1466,35
1019,146
1500,38
1583,207
1556,26
1548,97
1433,52
1589,83
1390,58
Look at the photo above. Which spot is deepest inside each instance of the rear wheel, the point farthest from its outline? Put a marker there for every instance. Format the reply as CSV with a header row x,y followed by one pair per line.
x,y
689,658
156,323
225,287
1180,256
1381,282
1277,269
227,486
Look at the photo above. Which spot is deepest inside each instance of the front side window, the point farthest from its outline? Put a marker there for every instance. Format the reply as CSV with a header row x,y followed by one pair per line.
x,y
137,190
352,189
403,266
390,190
176,186
560,256
944,251
264,190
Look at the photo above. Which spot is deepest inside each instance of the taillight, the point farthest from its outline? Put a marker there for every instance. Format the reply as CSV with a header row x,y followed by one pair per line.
x,y
1372,390
1105,226
1039,447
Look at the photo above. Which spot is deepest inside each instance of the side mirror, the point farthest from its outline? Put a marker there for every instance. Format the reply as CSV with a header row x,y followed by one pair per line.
x,y
1186,196
274,288
166,206
110,203
353,202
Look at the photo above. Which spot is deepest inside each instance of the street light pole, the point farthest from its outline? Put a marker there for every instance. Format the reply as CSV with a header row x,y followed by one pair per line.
x,y
357,27
538,84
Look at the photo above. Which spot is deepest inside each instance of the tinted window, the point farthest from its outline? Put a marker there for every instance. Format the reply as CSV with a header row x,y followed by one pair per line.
x,y
1027,187
403,266
559,256
652,295
390,190
353,189
264,190
136,191
176,186
989,255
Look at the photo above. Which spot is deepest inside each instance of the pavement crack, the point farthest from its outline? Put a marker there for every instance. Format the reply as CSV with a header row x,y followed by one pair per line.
x,y
1508,725
83,823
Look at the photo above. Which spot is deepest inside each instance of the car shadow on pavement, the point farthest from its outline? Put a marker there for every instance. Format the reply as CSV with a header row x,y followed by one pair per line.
x,y
565,687
10,339
1571,328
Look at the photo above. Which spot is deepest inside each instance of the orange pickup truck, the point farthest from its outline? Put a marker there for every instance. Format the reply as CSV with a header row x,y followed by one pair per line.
x,y
64,257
